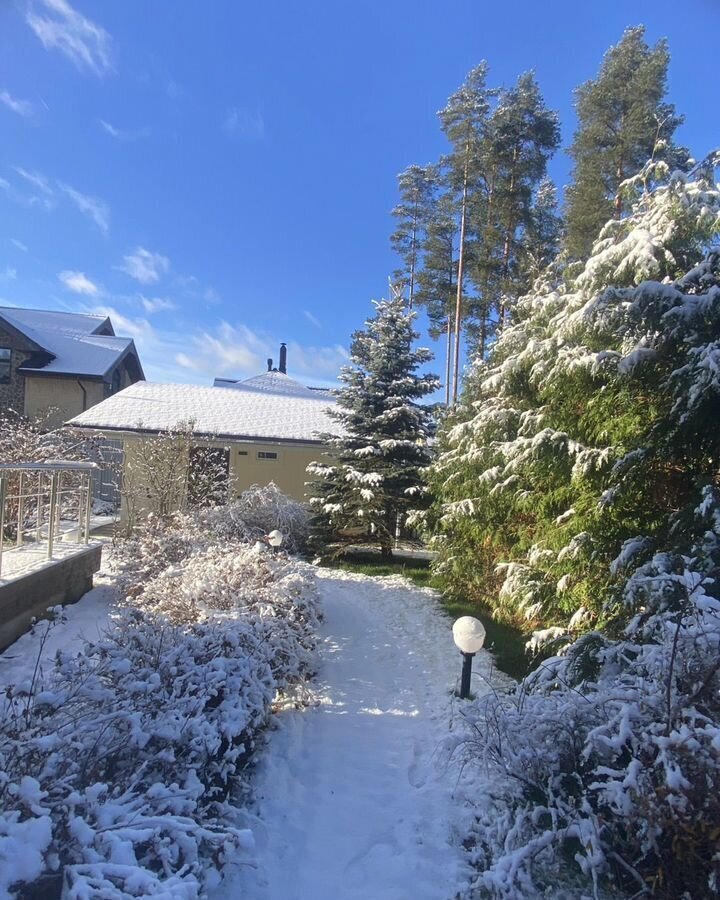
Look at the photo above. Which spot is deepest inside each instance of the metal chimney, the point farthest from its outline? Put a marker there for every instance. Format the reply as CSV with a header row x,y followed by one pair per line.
x,y
283,359
269,364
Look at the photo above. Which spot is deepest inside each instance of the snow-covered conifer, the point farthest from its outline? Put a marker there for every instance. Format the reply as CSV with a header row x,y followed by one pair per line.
x,y
372,476
584,438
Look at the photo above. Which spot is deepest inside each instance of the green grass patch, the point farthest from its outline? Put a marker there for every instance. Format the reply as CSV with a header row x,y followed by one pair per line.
x,y
506,642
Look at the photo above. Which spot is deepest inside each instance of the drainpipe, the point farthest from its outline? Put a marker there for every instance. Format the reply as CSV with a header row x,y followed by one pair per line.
x,y
84,393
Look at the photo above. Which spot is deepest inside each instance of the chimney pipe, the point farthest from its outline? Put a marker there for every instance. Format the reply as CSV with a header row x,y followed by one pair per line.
x,y
283,359
269,364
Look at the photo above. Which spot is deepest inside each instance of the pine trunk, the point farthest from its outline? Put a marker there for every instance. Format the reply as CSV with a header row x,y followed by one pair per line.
x,y
461,260
448,360
413,259
507,243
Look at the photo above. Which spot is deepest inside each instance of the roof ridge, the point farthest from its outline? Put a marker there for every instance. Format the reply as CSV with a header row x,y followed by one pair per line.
x,y
60,312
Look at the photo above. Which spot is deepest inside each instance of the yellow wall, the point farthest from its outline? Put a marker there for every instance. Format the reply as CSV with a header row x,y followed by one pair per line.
x,y
60,395
287,471
246,468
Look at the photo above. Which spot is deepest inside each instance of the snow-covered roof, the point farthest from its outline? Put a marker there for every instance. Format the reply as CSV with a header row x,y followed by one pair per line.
x,y
272,382
71,340
214,411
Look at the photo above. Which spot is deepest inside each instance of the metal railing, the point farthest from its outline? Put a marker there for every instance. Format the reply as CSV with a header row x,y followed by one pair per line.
x,y
41,503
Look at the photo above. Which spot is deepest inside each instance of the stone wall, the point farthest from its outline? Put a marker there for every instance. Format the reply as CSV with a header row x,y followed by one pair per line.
x,y
12,395
54,583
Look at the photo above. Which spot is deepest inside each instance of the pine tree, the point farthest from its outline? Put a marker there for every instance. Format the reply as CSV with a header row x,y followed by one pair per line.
x,y
622,119
525,135
435,288
542,237
464,122
415,186
372,478
521,135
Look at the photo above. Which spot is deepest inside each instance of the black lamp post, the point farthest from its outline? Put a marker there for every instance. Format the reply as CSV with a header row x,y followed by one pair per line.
x,y
469,637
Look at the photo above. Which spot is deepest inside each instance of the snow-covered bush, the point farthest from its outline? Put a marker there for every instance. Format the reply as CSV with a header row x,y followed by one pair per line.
x,y
159,542
128,751
258,511
116,772
245,581
605,764
162,541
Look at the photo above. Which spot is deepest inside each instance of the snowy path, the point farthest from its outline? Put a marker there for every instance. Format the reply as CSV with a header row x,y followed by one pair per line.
x,y
353,801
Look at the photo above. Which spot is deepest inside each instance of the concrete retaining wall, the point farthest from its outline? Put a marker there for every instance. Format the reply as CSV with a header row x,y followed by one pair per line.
x,y
58,582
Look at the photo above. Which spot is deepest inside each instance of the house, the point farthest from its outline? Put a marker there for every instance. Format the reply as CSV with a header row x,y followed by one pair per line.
x,y
266,428
54,365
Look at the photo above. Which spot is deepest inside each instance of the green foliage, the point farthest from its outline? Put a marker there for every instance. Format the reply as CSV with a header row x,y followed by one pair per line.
x,y
622,119
582,441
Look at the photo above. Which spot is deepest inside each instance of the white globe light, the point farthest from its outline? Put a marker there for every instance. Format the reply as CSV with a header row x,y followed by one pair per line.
x,y
469,634
275,538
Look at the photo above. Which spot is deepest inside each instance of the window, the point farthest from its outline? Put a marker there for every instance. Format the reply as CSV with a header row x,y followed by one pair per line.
x,y
208,476
5,364
266,454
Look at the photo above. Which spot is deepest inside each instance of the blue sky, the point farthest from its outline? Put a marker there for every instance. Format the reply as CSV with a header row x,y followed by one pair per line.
x,y
219,175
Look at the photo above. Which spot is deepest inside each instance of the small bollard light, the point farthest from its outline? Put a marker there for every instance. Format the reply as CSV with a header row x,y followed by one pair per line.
x,y
275,539
469,637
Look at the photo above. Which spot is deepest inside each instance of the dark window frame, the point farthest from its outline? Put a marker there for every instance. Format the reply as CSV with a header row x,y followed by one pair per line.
x,y
5,365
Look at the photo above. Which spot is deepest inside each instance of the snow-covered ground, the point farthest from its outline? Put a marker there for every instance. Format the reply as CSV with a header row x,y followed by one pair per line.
x,y
86,618
353,796
354,799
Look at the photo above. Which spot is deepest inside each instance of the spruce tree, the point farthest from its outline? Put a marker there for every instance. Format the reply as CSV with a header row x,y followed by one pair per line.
x,y
622,119
373,474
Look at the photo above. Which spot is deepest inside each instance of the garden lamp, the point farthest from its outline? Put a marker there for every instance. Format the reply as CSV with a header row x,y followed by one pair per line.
x,y
469,637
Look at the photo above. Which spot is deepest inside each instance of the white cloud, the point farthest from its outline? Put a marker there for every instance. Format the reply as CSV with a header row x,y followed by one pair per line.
x,y
60,27
321,363
120,134
244,123
138,329
21,107
19,245
36,180
92,207
145,266
311,318
9,274
238,351
156,304
78,283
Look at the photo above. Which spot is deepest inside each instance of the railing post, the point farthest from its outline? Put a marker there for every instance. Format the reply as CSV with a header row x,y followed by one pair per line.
x,y
21,510
38,512
81,510
2,517
88,506
53,512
